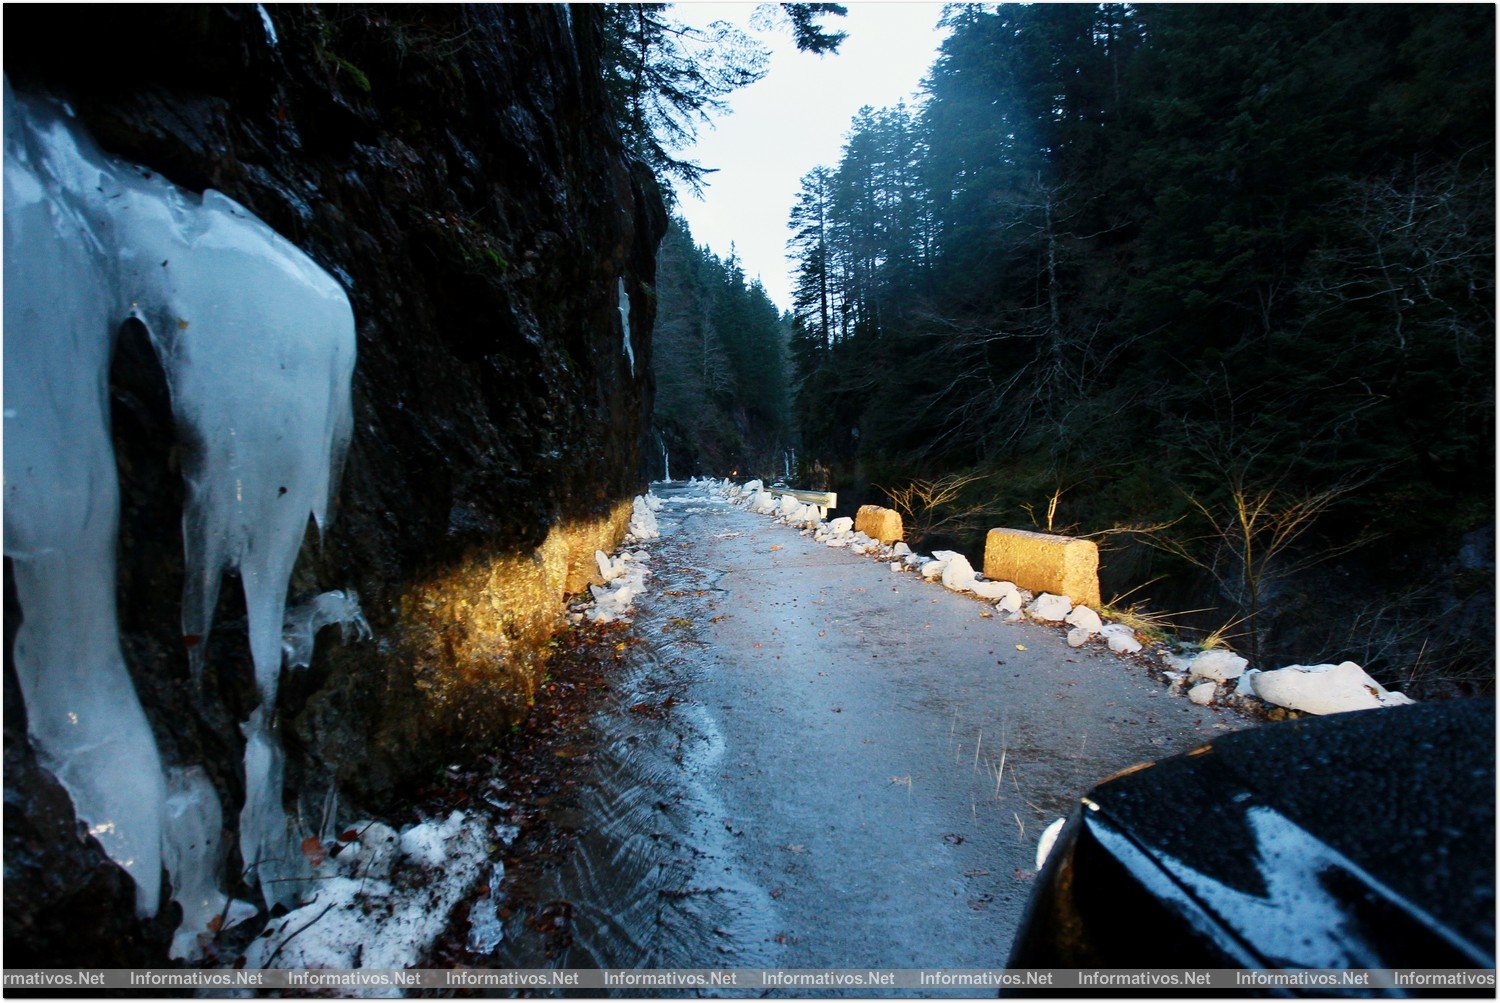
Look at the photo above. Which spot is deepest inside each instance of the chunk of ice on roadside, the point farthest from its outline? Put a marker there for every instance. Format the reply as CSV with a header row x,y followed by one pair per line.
x,y
1203,693
1049,607
1178,662
1218,664
1078,637
1047,841
841,525
1086,619
958,573
901,549
993,590
643,520
1324,689
896,566
1011,602
1122,639
933,569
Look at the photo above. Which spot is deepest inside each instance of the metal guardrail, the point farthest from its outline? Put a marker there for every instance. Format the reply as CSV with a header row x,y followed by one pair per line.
x,y
824,500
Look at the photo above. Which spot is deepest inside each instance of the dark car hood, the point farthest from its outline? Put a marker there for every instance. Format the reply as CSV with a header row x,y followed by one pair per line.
x,y
1356,840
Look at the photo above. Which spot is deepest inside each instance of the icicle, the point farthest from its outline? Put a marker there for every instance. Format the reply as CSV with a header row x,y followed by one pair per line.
x,y
257,343
625,324
302,623
62,500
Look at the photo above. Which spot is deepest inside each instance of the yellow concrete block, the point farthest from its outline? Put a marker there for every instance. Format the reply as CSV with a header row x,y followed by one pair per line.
x,y
878,523
1041,562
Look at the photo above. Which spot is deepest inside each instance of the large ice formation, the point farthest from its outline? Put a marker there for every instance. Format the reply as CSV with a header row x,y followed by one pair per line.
x,y
257,343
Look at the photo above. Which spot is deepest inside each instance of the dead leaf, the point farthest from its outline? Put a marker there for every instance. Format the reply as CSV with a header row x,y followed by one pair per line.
x,y
312,849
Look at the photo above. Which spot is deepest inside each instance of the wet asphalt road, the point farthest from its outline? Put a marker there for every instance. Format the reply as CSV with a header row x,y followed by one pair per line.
x,y
850,766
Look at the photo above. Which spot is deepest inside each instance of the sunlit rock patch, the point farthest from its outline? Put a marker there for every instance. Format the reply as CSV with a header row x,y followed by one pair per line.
x,y
477,633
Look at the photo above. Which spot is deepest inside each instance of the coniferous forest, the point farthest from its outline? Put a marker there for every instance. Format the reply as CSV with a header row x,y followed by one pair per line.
x,y
1211,284
720,362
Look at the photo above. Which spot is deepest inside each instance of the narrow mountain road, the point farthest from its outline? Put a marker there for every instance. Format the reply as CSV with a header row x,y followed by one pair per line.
x,y
816,761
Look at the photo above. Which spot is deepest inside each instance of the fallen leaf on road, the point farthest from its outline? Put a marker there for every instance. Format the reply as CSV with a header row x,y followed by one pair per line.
x,y
775,546
1019,647
977,872
795,848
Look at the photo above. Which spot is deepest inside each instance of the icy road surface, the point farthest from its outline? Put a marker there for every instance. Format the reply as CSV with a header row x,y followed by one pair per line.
x,y
818,762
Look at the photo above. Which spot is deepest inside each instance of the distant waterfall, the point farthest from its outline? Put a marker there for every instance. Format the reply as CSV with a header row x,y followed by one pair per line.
x,y
789,464
666,457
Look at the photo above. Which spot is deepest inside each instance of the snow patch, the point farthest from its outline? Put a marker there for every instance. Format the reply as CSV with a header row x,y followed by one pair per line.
x,y
381,902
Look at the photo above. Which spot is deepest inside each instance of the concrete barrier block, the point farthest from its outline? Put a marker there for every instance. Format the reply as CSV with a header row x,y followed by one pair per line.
x,y
878,523
1041,562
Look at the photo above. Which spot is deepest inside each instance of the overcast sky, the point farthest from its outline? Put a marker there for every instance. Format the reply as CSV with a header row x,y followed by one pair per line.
x,y
794,119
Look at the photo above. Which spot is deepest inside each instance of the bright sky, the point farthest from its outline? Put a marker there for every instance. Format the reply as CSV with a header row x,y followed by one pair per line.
x,y
794,119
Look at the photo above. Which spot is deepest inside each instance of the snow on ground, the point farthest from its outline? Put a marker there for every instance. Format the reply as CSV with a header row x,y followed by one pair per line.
x,y
1208,677
378,898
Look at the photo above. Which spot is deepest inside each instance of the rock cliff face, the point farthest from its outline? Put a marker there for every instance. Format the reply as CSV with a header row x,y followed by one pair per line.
x,y
457,170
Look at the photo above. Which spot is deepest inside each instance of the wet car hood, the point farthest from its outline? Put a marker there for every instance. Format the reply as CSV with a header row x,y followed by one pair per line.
x,y
1359,840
